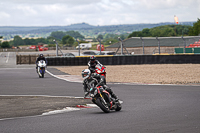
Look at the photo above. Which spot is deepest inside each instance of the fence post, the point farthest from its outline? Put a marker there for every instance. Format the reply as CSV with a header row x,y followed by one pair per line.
x,y
99,44
121,45
78,47
56,47
29,59
16,59
142,44
20,59
184,44
158,44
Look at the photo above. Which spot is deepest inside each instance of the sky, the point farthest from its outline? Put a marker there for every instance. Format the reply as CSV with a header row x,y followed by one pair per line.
x,y
95,12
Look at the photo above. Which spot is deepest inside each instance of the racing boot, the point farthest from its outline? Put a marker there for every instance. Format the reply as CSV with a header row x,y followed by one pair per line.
x,y
36,70
86,94
111,92
114,96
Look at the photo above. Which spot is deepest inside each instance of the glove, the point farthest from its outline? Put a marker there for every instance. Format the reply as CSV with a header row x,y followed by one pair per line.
x,y
91,89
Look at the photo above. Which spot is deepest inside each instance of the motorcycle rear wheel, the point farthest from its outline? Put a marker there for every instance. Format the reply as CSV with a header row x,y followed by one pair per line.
x,y
103,107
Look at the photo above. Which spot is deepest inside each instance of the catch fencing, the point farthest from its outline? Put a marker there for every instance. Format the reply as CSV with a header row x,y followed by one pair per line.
x,y
152,45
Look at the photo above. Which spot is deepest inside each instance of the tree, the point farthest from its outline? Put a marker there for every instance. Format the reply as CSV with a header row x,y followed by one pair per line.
x,y
65,38
18,41
100,36
195,30
75,34
122,37
27,41
68,40
135,34
110,41
5,45
58,34
41,40
146,32
51,39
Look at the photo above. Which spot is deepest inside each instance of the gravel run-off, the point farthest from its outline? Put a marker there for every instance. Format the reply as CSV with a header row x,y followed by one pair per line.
x,y
148,74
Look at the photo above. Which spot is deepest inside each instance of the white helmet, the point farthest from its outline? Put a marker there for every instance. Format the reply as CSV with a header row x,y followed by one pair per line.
x,y
85,73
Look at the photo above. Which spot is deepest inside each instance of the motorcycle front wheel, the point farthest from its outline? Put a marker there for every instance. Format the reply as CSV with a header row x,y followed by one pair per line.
x,y
104,107
42,74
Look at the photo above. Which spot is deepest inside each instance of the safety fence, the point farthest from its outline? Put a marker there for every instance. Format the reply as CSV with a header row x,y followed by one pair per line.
x,y
159,44
116,60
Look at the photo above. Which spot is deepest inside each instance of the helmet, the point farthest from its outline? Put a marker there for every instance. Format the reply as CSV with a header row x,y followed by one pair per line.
x,y
41,55
85,73
92,58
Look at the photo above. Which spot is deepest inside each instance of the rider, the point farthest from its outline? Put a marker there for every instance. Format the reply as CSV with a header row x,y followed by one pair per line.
x,y
92,80
41,57
92,63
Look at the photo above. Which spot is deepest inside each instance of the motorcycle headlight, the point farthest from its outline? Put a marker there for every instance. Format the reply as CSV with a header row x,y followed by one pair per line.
x,y
99,71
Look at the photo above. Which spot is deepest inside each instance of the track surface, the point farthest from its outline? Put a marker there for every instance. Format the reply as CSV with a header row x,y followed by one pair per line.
x,y
146,108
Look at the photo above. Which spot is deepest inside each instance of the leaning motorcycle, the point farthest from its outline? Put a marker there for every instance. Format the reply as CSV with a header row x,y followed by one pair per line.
x,y
41,68
100,70
103,99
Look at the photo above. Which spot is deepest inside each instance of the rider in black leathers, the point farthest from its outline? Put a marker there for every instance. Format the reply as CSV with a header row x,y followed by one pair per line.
x,y
94,80
92,63
41,57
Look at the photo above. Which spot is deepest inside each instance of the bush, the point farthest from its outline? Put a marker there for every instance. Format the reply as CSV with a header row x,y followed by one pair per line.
x,y
5,45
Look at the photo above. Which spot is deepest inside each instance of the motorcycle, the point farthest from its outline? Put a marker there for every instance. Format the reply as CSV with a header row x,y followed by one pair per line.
x,y
41,68
100,70
103,99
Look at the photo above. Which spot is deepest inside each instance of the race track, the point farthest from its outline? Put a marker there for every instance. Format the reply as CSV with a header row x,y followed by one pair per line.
x,y
145,108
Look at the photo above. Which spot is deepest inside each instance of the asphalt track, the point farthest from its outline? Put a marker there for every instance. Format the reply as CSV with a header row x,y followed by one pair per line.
x,y
145,108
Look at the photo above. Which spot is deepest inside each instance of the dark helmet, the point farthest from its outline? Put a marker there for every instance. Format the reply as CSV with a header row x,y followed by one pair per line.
x,y
93,58
41,55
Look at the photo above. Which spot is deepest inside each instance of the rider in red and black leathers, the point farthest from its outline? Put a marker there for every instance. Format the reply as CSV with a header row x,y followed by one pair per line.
x,y
94,80
92,63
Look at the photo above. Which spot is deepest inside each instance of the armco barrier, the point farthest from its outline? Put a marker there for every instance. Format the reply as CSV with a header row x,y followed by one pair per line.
x,y
126,60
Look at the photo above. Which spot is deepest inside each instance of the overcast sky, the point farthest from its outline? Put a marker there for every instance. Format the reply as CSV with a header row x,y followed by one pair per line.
x,y
95,12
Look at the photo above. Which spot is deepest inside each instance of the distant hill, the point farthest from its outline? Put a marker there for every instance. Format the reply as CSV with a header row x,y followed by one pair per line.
x,y
84,28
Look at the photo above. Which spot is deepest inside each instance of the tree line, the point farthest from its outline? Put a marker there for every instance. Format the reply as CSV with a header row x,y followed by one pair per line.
x,y
169,31
69,38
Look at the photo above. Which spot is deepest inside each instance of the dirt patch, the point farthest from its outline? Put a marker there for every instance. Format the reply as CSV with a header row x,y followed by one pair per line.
x,y
153,74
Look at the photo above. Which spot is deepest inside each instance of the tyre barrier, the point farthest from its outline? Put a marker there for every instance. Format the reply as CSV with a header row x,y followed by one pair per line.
x,y
126,60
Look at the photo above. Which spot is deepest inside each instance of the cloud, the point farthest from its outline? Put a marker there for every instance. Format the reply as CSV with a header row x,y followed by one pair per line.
x,y
45,2
4,15
96,12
